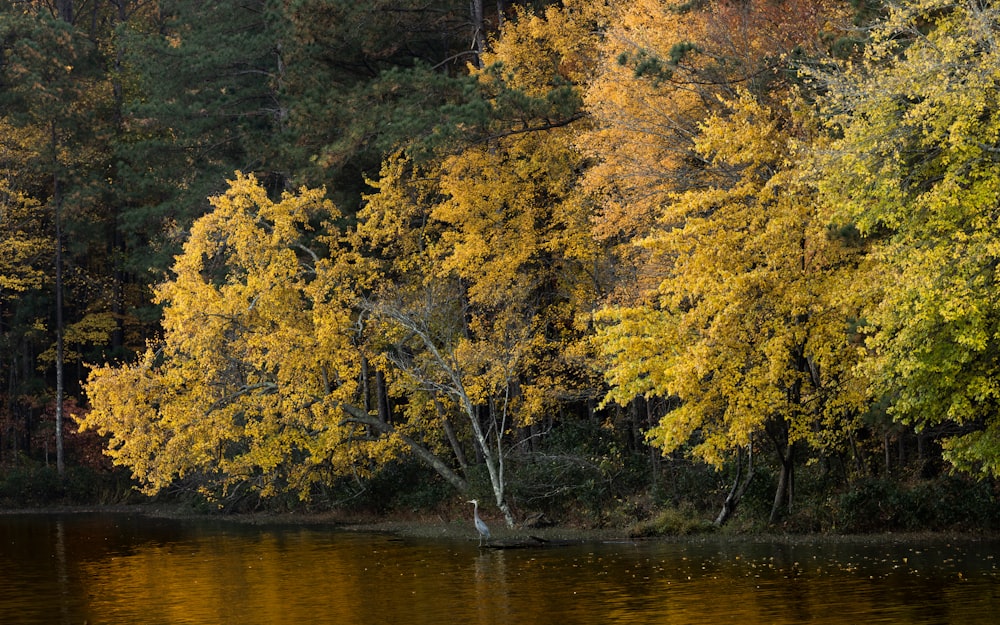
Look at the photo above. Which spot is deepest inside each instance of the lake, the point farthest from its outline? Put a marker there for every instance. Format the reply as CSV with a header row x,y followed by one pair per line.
x,y
124,568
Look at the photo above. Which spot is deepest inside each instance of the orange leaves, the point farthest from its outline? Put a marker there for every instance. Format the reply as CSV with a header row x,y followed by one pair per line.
x,y
764,31
660,74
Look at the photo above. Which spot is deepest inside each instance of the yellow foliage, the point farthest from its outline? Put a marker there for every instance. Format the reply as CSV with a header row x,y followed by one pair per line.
x,y
490,248
537,50
741,327
661,69
93,329
914,168
258,355
469,279
22,244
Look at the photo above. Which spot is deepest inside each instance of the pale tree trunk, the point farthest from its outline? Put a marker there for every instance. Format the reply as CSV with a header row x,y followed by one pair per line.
x,y
64,8
60,384
492,458
489,441
60,375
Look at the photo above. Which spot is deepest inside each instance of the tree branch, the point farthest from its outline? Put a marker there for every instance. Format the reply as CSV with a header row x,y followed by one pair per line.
x,y
357,415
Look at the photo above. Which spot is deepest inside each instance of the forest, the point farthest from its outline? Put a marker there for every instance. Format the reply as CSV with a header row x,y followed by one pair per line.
x,y
650,263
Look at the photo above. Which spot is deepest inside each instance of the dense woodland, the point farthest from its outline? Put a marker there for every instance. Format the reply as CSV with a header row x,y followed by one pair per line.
x,y
617,261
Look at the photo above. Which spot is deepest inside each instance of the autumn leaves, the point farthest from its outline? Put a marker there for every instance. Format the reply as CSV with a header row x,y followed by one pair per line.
x,y
653,230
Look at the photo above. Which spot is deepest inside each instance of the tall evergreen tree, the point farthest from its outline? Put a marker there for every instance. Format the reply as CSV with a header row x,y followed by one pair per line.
x,y
53,93
200,101
365,79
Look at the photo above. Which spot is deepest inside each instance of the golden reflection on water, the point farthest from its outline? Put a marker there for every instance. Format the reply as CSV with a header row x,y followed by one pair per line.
x,y
110,571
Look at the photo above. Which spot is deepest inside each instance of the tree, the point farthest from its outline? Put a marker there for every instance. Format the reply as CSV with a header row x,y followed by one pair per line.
x,y
24,249
200,97
373,378
662,68
490,253
694,141
744,327
22,240
258,379
914,170
242,389
52,87
365,79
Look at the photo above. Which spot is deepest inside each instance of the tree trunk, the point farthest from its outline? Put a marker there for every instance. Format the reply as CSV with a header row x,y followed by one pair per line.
x,y
456,445
493,462
65,10
60,382
382,397
777,431
739,487
366,386
786,482
493,457
478,35
885,450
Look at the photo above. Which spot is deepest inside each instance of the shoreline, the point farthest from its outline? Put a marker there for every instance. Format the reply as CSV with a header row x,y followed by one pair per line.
x,y
430,526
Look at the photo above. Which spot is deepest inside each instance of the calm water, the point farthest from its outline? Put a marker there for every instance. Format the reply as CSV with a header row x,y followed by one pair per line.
x,y
130,569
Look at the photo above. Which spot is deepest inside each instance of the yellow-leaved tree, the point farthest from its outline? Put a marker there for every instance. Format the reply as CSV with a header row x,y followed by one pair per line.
x,y
746,326
22,244
727,304
491,253
915,169
258,378
662,67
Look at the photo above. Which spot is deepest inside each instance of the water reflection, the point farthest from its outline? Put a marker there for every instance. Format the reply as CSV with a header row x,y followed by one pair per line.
x,y
126,569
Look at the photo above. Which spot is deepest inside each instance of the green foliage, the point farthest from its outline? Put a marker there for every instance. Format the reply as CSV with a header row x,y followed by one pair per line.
x,y
200,101
647,63
362,80
402,486
57,120
948,503
581,468
915,170
34,484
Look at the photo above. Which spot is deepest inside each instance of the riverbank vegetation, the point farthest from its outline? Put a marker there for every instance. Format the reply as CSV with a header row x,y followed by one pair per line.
x,y
650,264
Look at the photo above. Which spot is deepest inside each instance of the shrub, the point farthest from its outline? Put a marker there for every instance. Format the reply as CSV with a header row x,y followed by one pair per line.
x,y
680,521
949,502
